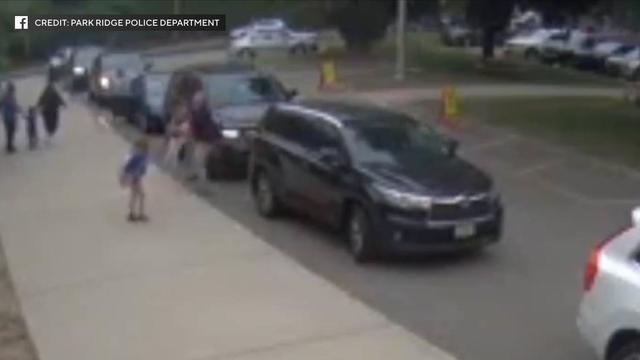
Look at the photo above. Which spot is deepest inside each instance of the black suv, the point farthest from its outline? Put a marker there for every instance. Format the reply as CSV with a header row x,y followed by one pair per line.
x,y
393,183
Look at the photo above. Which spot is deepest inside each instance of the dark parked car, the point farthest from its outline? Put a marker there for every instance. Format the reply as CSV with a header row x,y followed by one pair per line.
x,y
58,66
593,53
237,99
82,60
150,91
394,184
111,78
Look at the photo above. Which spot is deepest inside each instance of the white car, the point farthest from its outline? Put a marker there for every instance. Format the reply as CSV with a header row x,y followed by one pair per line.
x,y
609,315
564,45
529,45
254,41
631,69
616,64
593,54
262,24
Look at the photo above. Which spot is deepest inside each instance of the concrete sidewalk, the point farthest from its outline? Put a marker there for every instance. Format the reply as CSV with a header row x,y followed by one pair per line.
x,y
190,285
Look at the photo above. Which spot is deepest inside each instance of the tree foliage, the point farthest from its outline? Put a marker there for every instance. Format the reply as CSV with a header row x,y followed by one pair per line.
x,y
360,23
491,17
363,22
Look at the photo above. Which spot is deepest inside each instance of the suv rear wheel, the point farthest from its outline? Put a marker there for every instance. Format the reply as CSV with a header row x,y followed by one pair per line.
x,y
264,195
631,351
359,235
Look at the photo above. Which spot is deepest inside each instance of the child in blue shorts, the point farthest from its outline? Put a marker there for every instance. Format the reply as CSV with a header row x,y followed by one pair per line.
x,y
132,175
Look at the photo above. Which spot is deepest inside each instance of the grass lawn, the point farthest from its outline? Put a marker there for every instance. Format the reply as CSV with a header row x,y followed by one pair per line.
x,y
603,127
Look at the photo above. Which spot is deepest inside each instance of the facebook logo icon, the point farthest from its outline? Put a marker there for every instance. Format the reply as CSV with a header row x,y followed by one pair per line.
x,y
21,22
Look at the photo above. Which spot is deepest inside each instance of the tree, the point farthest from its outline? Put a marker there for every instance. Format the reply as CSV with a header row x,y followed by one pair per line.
x,y
359,22
558,12
491,17
363,22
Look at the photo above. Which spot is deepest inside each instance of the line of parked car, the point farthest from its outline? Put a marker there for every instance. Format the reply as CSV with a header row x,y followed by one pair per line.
x,y
392,183
586,50
612,54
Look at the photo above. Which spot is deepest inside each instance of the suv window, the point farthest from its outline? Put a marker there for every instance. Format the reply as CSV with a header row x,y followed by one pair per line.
x,y
320,134
309,133
281,124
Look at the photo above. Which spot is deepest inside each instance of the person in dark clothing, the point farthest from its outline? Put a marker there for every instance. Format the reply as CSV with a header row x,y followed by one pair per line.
x,y
10,111
50,102
32,127
204,135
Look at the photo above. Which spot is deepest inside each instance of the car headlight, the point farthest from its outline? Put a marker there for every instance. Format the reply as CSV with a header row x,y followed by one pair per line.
x,y
78,70
105,82
230,133
401,199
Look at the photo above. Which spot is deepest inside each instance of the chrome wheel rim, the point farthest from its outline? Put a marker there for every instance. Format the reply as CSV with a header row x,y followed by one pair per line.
x,y
265,195
356,234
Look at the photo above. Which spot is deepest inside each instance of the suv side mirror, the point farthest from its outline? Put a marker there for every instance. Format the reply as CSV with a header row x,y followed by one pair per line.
x,y
148,65
635,216
332,158
450,147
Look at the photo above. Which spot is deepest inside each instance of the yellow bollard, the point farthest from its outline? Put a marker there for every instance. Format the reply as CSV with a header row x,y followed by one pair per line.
x,y
450,107
328,76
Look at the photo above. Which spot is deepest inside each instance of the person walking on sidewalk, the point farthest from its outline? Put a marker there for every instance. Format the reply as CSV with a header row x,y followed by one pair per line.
x,y
50,102
132,176
10,111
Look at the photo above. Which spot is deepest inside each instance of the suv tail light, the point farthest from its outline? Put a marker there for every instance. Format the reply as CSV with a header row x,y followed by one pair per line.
x,y
593,265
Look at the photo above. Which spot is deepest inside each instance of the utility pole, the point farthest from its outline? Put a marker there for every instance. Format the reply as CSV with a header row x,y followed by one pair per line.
x,y
400,39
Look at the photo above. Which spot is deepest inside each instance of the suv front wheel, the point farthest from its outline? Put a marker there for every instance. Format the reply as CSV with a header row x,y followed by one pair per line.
x,y
359,235
264,195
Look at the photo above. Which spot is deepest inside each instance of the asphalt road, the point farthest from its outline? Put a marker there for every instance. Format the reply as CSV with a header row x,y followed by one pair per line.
x,y
514,301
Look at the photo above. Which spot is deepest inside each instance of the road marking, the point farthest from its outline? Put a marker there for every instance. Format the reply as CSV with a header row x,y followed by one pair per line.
x,y
538,167
493,143
586,199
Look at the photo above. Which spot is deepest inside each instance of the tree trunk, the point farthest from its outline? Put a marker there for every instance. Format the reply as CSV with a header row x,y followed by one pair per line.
x,y
488,43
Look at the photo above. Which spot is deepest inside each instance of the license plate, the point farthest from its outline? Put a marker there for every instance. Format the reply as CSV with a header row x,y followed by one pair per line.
x,y
464,231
